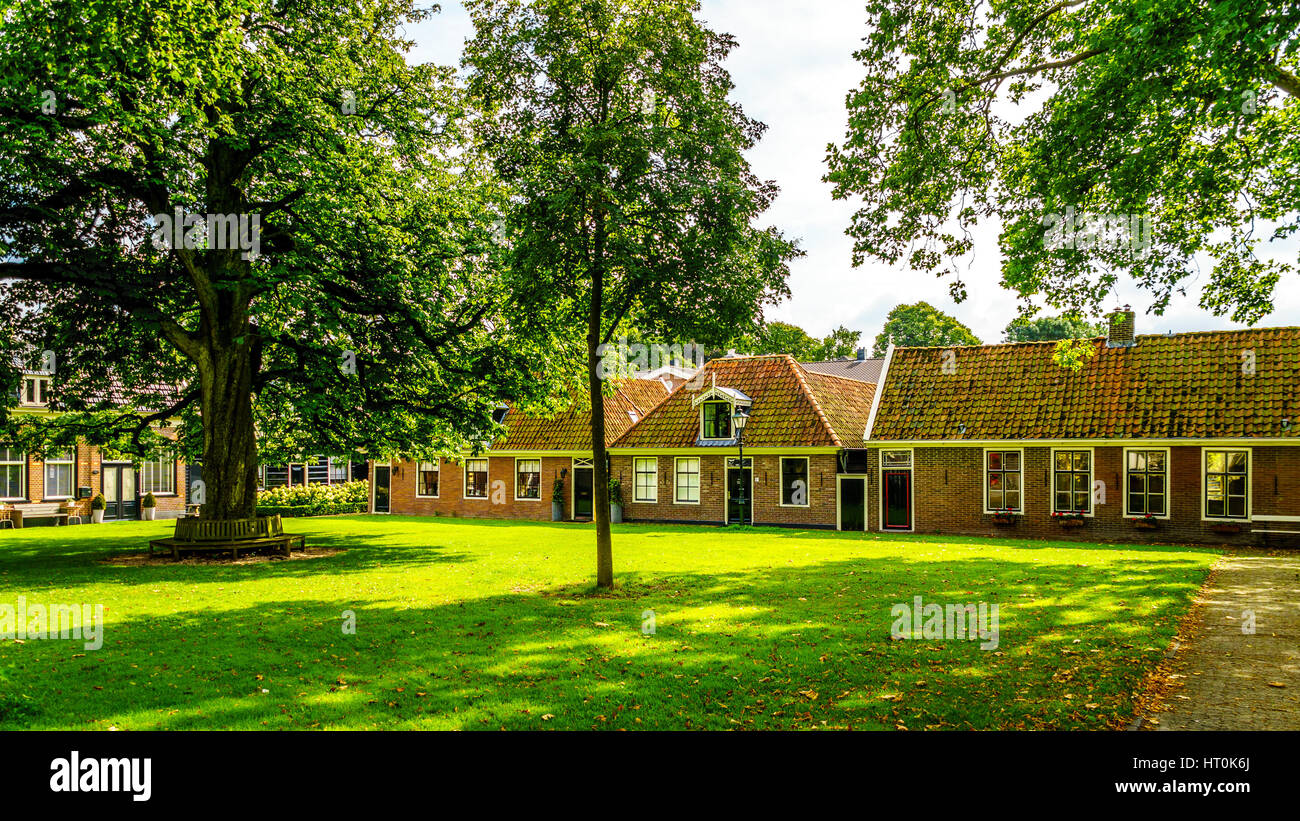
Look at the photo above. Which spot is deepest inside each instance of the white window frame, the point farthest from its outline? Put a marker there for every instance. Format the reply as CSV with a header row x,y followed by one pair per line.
x,y
780,472
42,388
71,463
538,497
636,473
1020,511
487,480
21,461
699,473
1168,480
1092,480
731,411
437,468
1250,483
151,470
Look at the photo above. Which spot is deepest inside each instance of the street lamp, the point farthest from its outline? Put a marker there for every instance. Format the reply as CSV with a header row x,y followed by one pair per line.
x,y
738,418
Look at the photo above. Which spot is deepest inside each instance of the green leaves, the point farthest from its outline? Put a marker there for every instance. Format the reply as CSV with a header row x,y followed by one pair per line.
x,y
921,325
1180,114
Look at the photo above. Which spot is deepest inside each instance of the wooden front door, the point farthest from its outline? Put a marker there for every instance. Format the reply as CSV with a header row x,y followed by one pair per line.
x,y
853,503
383,480
897,486
119,492
583,492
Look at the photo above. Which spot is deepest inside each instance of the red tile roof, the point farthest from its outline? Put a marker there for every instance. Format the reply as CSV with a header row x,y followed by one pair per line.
x,y
1177,386
571,429
791,407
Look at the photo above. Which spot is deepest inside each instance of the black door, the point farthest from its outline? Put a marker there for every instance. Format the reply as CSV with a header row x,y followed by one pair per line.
x,y
898,499
740,507
381,488
583,493
853,503
120,501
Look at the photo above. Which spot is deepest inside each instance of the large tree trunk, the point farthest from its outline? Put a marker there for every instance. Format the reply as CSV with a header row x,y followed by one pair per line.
x,y
229,438
600,474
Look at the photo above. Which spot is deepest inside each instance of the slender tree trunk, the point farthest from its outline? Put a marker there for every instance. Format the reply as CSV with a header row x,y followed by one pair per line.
x,y
600,460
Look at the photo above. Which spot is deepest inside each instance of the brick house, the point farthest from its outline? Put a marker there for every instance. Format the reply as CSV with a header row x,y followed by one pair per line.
x,y
77,475
515,476
1187,437
681,463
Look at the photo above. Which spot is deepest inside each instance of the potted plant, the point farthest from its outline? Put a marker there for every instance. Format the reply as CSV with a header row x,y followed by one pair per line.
x,y
1069,519
148,507
557,500
1146,522
1005,517
616,501
97,506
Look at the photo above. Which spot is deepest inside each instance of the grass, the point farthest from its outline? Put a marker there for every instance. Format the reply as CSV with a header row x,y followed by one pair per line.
x,y
466,624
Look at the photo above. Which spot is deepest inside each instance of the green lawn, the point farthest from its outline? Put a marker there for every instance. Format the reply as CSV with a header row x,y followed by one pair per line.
x,y
476,624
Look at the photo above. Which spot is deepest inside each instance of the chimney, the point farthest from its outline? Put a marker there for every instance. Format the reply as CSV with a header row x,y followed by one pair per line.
x,y
862,354
1122,327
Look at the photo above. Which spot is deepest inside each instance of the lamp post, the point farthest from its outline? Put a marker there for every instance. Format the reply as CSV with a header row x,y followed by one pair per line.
x,y
739,418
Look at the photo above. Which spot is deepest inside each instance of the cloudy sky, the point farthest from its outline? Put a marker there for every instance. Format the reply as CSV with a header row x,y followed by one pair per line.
x,y
792,70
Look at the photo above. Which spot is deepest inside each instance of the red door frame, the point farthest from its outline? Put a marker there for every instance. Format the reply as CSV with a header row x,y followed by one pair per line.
x,y
907,500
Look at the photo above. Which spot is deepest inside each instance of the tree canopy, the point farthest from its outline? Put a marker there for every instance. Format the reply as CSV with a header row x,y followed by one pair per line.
x,y
256,218
1051,328
782,337
921,325
1105,136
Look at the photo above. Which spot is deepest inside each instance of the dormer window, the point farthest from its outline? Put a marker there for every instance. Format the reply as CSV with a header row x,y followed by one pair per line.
x,y
715,420
34,391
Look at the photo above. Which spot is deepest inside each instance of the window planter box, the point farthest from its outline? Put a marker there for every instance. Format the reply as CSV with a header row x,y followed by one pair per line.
x,y
1226,527
1004,519
1146,524
1069,519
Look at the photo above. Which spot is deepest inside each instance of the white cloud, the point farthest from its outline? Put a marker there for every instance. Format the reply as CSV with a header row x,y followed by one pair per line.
x,y
792,69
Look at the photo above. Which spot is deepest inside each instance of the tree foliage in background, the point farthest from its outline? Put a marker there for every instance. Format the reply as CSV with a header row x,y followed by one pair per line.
x,y
1051,328
782,337
1178,114
633,202
921,325
374,317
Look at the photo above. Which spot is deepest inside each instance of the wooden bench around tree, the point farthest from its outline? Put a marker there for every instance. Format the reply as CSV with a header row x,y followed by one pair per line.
x,y
194,534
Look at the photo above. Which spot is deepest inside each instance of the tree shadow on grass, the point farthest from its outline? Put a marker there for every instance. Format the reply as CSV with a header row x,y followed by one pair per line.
x,y
771,648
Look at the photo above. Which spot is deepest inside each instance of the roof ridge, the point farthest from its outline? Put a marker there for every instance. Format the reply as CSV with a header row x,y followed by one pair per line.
x,y
801,375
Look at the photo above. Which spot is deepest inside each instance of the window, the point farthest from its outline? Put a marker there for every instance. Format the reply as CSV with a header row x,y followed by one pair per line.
x,y
896,459
1146,482
338,470
716,420
158,475
528,478
13,473
1002,483
1226,483
794,481
276,476
34,391
318,472
58,475
688,480
426,480
1072,481
646,479
476,475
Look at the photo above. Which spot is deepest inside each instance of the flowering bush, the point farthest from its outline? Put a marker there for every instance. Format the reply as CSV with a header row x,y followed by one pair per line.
x,y
1067,517
315,500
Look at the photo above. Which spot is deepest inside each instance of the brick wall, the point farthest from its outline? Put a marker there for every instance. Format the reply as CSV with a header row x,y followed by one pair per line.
x,y
88,472
711,509
501,502
948,484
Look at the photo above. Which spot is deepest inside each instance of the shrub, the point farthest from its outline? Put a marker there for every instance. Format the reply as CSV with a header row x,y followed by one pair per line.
x,y
149,501
315,500
99,502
